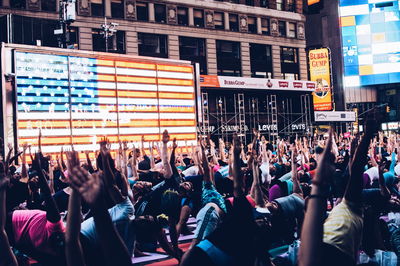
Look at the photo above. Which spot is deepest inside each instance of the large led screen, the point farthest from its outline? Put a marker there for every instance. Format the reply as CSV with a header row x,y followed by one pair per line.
x,y
371,41
78,100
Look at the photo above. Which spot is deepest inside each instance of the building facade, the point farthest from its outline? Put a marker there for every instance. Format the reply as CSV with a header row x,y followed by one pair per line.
x,y
362,37
249,38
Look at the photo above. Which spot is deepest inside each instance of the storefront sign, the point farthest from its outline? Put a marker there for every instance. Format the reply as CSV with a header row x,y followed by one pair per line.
x,y
256,83
335,116
320,73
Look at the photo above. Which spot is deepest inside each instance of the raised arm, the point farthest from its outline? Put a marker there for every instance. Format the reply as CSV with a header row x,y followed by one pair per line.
x,y
7,256
89,162
238,184
73,248
172,160
89,186
382,185
24,170
312,231
204,164
164,155
52,213
355,184
295,178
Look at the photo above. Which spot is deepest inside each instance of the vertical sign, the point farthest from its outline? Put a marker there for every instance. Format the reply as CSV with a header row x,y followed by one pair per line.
x,y
320,73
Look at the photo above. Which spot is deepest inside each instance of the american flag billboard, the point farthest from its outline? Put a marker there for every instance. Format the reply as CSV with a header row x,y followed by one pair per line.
x,y
78,100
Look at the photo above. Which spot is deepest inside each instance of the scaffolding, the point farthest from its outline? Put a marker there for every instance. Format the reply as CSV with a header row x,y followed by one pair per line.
x,y
241,112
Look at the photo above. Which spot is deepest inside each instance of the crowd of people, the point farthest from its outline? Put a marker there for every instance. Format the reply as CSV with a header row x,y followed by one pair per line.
x,y
329,200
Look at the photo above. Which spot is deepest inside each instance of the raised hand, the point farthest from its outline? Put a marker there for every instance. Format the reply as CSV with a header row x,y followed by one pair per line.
x,y
87,185
165,137
174,144
326,167
73,160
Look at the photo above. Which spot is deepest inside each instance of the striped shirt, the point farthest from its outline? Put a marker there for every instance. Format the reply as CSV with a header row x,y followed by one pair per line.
x,y
224,171
343,228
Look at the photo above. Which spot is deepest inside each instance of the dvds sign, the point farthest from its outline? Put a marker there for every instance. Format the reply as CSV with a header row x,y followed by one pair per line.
x,y
320,73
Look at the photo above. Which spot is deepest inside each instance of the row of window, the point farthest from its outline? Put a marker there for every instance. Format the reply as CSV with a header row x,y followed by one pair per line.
x,y
28,30
117,6
46,5
282,5
228,55
285,29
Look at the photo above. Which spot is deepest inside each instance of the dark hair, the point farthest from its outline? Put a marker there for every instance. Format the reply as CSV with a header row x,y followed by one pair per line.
x,y
319,150
171,203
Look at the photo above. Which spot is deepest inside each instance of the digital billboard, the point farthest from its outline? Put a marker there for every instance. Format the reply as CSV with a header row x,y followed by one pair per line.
x,y
78,100
371,41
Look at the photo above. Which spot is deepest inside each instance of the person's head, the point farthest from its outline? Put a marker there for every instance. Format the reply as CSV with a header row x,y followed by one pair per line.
x,y
185,189
171,204
272,206
187,161
137,151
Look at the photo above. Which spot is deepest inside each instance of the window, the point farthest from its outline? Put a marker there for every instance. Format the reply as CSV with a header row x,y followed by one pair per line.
x,y
183,18
160,12
252,24
228,58
27,30
282,28
142,11
49,5
219,22
279,4
153,45
198,18
194,49
289,63
265,26
74,37
97,7
260,60
264,3
115,44
18,4
249,2
117,9
290,6
292,30
233,22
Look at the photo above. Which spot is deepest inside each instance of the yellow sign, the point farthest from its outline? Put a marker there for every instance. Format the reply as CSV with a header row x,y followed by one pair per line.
x,y
320,72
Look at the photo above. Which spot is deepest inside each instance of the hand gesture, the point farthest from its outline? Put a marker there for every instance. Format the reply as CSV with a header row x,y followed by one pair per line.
x,y
73,160
165,137
237,145
174,144
326,167
86,184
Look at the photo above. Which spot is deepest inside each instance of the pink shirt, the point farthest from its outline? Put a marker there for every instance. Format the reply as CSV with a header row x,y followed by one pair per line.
x,y
31,227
